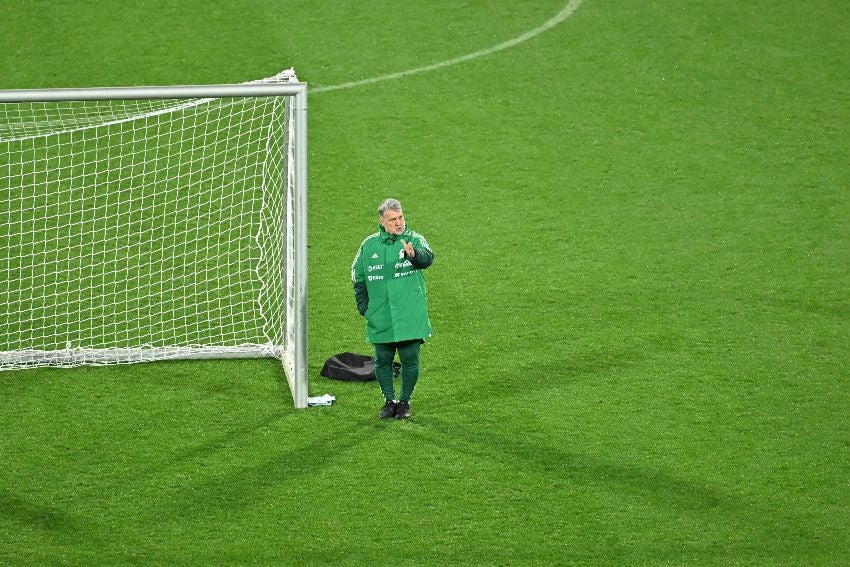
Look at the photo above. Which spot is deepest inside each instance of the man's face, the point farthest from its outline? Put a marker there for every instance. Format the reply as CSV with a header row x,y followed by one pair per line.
x,y
393,221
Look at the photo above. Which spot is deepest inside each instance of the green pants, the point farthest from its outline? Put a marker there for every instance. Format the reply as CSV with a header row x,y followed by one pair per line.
x,y
408,355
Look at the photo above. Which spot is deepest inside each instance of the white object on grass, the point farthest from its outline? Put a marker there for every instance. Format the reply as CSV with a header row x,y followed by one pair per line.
x,y
325,400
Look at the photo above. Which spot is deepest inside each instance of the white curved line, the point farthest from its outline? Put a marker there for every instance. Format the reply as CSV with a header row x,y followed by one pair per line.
x,y
565,13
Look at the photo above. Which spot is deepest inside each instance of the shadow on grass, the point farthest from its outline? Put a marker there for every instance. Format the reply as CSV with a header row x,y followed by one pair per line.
x,y
507,373
578,469
50,520
308,458
524,380
731,524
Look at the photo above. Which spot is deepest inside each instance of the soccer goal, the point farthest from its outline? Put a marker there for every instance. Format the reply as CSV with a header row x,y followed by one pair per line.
x,y
155,223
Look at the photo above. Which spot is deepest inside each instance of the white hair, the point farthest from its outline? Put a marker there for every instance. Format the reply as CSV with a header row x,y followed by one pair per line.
x,y
388,205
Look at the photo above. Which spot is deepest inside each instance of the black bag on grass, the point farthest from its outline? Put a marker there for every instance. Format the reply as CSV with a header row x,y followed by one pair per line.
x,y
353,367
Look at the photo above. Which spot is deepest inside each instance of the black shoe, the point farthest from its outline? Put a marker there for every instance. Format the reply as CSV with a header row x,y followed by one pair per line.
x,y
388,410
402,410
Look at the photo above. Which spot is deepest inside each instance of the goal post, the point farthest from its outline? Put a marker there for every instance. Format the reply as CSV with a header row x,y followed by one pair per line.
x,y
155,223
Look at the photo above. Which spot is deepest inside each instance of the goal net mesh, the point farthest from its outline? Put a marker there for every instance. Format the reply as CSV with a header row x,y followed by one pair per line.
x,y
137,230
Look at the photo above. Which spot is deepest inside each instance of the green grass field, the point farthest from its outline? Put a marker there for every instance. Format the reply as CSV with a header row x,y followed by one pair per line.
x,y
640,299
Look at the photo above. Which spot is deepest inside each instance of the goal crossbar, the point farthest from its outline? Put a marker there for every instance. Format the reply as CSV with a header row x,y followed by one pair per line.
x,y
295,365
297,90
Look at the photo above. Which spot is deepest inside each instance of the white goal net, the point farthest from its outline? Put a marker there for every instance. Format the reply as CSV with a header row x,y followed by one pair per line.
x,y
154,223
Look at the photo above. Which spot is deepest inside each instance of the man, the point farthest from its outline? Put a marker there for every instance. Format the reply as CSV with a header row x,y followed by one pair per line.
x,y
390,291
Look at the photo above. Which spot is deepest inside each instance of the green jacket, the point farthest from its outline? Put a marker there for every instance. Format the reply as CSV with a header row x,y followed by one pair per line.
x,y
389,287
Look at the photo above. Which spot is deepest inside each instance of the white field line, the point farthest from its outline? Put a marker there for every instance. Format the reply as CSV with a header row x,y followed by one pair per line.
x,y
565,13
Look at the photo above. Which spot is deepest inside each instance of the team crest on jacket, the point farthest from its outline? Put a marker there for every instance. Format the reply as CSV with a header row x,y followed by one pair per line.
x,y
401,254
